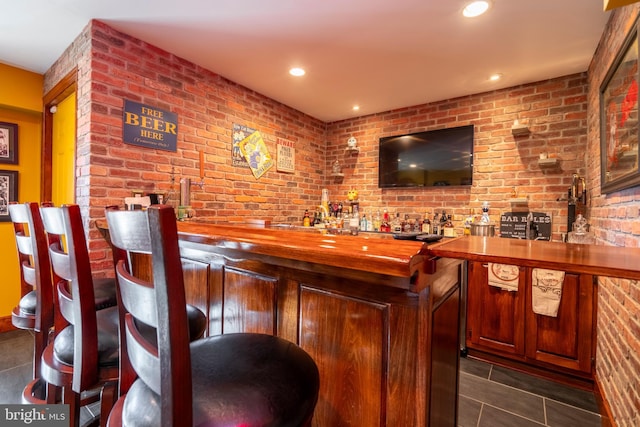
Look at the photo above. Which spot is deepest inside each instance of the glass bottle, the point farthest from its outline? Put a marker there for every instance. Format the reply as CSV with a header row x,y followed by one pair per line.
x,y
346,219
364,223
448,229
417,224
467,223
426,224
377,221
407,225
385,226
435,225
396,224
354,222
306,221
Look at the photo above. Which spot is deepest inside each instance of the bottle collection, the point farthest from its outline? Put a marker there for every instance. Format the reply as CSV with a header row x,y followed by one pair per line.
x,y
349,216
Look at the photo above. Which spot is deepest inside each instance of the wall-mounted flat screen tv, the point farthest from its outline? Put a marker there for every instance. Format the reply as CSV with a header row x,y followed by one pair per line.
x,y
427,159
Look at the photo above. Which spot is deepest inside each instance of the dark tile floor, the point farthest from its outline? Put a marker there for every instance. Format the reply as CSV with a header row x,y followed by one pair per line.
x,y
16,356
490,396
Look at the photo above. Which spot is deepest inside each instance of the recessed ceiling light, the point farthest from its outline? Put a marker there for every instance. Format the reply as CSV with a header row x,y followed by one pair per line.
x,y
495,77
475,8
356,107
297,72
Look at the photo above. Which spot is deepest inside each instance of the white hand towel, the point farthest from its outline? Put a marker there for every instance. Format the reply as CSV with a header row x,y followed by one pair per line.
x,y
504,276
546,291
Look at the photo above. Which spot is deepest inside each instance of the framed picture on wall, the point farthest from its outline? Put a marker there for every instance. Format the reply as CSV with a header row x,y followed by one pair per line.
x,y
619,131
8,143
8,192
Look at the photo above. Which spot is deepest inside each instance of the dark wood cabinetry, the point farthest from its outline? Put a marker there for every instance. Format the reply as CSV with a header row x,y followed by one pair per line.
x,y
495,317
503,323
380,318
568,340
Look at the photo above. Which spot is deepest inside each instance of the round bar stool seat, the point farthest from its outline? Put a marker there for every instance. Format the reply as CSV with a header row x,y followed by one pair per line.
x,y
238,379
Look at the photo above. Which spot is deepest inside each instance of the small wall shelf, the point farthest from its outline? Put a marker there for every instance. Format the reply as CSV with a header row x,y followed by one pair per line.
x,y
337,175
552,161
519,129
519,200
352,150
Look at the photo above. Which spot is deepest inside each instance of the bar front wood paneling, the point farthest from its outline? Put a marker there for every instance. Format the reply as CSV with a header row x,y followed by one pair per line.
x,y
379,316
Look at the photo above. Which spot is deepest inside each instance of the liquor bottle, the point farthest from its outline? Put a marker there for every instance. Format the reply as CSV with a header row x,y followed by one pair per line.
x,y
396,224
467,223
385,226
426,224
364,223
417,224
407,226
377,221
346,219
443,221
448,229
370,222
306,221
354,222
435,225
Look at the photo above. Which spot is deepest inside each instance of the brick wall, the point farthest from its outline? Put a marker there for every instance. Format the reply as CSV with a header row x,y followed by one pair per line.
x,y
113,67
614,218
556,113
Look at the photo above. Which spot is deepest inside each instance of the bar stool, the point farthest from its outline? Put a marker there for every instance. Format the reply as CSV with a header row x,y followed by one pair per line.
x,y
35,310
83,354
236,379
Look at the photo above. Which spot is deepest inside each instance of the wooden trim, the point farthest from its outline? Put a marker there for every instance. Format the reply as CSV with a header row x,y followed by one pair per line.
x,y
603,404
66,86
6,325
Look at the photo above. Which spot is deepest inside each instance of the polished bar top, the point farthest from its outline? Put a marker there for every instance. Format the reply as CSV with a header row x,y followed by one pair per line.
x,y
379,253
370,252
611,261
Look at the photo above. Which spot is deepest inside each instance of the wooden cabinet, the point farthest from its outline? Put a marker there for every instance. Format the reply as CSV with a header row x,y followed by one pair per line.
x,y
502,323
568,340
386,345
495,318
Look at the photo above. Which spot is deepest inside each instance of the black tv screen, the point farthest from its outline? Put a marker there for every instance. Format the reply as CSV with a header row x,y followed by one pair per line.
x,y
427,159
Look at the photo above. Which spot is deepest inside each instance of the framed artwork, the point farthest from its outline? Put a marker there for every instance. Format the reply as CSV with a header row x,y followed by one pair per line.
x,y
8,192
8,143
619,130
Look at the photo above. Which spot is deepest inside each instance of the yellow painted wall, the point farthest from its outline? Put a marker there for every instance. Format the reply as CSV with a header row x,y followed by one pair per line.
x,y
20,103
20,89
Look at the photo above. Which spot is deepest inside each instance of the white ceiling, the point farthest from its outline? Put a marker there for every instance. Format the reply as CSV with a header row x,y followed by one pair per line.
x,y
379,54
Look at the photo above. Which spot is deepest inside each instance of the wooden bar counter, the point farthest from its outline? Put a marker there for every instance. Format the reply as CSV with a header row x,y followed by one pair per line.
x,y
501,325
379,316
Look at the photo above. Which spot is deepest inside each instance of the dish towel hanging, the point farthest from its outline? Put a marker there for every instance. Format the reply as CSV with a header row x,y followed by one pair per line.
x,y
504,276
546,291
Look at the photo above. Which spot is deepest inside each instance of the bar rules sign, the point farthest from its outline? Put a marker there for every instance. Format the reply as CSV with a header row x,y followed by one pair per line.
x,y
149,127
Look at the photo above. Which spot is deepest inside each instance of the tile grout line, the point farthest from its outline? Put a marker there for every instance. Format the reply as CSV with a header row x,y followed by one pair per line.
x,y
483,404
531,393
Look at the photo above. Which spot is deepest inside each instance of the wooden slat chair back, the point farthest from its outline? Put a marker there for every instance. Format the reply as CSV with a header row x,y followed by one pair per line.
x,y
235,379
35,309
85,350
